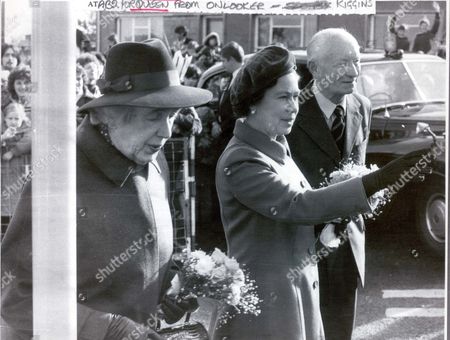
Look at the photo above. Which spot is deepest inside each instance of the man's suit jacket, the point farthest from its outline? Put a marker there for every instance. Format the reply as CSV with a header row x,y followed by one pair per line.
x,y
316,154
226,116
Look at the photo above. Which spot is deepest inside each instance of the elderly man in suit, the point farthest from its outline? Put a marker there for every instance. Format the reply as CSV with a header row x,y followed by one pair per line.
x,y
333,126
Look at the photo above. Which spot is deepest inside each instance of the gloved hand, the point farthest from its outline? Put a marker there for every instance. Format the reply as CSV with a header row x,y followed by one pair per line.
x,y
174,308
122,327
408,166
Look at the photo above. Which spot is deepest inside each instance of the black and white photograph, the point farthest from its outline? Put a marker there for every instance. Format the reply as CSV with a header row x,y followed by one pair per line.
x,y
224,170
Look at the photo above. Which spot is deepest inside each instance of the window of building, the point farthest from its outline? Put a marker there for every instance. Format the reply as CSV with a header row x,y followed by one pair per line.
x,y
279,29
140,28
213,24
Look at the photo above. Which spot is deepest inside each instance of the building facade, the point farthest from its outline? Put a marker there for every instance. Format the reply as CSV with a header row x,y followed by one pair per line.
x,y
256,31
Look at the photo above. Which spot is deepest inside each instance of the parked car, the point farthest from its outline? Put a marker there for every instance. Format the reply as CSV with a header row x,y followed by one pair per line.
x,y
403,91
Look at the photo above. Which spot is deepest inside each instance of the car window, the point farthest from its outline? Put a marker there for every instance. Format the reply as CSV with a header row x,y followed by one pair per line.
x,y
429,77
387,82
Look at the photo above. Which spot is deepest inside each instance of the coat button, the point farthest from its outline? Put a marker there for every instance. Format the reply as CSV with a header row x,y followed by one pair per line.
x,y
274,211
315,284
82,212
227,171
82,297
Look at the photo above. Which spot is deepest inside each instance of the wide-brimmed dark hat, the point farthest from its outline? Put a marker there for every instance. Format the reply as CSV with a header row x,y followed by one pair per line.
x,y
143,74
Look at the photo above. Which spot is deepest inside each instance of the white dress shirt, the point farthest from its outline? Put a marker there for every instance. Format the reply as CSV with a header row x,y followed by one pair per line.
x,y
328,107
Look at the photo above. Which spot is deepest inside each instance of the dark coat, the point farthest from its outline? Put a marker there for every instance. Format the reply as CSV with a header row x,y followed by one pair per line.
x,y
114,217
268,212
422,41
316,154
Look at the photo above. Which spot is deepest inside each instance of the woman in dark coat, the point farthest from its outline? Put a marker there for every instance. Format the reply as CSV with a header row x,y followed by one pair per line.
x,y
268,207
124,226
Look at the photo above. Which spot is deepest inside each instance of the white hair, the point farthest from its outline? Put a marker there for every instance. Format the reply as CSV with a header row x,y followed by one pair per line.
x,y
320,46
112,115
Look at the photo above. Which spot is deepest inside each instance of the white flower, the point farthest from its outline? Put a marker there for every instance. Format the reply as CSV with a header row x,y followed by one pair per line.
x,y
231,264
218,256
198,254
239,276
236,294
219,273
204,266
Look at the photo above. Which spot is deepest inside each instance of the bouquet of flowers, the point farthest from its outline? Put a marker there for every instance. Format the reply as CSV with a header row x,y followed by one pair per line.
x,y
218,277
332,232
351,170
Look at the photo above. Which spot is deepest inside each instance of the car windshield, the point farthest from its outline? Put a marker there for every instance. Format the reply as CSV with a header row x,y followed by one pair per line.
x,y
402,81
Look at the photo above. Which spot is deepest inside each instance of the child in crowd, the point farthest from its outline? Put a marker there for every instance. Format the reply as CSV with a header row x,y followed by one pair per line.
x,y
16,155
209,53
15,138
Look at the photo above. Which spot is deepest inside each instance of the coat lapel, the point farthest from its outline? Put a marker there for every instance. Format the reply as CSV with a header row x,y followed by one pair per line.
x,y
312,121
352,125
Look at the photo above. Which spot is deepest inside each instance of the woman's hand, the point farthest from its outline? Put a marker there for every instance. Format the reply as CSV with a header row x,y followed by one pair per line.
x,y
122,328
216,130
407,167
173,307
436,7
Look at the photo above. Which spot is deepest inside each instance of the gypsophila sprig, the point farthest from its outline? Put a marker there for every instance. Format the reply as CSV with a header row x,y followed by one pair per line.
x,y
352,170
221,278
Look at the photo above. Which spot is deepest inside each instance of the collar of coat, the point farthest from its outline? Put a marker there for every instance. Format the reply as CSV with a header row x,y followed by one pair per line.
x,y
103,155
275,149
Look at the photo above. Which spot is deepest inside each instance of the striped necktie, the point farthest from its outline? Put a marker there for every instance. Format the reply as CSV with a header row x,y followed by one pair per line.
x,y
338,127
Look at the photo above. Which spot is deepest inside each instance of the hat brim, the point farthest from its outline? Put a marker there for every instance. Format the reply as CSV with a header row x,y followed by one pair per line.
x,y
169,97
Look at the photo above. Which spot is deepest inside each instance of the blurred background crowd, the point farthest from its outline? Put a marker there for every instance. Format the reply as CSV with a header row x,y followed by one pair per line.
x,y
16,125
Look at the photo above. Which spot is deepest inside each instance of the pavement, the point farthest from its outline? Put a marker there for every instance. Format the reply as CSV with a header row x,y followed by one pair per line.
x,y
404,296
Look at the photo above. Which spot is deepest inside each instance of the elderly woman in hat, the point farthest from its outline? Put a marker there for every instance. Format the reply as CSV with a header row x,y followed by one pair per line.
x,y
268,207
124,228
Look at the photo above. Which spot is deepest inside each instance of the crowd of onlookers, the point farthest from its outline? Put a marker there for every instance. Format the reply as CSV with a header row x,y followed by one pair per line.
x,y
425,41
15,123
